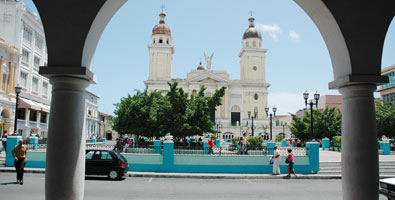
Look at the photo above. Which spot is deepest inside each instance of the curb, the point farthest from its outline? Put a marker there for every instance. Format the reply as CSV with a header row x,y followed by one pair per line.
x,y
201,175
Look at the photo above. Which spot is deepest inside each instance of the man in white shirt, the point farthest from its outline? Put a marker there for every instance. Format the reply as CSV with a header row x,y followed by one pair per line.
x,y
276,161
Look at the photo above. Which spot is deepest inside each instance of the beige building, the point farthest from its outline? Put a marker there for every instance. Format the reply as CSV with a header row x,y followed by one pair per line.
x,y
387,91
249,94
9,59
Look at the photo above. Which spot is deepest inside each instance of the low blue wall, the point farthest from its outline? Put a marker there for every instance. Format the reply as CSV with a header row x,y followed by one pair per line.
x,y
168,162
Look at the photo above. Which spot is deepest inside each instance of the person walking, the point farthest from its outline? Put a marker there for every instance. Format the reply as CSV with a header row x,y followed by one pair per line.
x,y
276,161
244,144
20,158
210,145
4,142
290,159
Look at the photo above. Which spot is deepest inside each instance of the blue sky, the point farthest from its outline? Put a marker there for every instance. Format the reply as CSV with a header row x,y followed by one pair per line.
x,y
297,57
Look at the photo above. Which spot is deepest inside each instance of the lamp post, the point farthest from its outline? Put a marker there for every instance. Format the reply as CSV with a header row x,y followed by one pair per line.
x,y
271,122
218,127
311,103
157,119
17,91
252,118
283,124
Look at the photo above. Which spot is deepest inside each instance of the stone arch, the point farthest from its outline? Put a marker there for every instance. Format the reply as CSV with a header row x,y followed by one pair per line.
x,y
228,136
235,108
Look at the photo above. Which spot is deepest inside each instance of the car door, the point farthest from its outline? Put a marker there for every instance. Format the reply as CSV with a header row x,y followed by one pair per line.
x,y
89,163
107,162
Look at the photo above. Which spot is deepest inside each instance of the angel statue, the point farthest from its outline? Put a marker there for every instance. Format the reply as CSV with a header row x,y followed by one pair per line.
x,y
208,60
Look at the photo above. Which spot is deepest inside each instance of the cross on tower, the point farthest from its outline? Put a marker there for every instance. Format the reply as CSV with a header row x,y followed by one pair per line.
x,y
251,12
163,7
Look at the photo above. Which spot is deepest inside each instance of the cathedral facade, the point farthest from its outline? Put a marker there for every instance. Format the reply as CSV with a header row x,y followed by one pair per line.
x,y
243,98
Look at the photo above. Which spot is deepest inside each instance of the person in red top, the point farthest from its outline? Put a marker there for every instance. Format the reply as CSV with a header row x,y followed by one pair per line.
x,y
290,142
210,145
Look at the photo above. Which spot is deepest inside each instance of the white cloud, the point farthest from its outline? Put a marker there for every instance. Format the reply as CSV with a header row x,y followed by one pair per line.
x,y
293,35
272,30
285,102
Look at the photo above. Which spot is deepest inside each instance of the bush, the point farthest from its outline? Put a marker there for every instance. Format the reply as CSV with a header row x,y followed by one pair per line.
x,y
236,140
279,138
337,139
255,140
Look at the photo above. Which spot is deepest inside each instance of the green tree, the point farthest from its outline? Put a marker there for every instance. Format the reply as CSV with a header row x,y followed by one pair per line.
x,y
152,114
385,116
326,124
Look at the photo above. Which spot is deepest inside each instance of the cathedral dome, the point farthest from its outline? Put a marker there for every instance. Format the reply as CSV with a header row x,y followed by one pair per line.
x,y
251,31
161,28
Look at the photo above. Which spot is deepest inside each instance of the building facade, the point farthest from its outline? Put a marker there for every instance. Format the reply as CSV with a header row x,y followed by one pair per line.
x,y
106,130
387,91
23,30
92,120
247,95
9,59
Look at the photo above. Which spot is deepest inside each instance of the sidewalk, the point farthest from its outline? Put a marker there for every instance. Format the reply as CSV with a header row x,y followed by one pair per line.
x,y
325,156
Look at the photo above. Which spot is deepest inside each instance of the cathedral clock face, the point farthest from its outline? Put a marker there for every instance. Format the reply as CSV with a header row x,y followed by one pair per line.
x,y
254,68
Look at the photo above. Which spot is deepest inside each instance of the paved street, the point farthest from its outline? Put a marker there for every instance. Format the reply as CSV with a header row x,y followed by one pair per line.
x,y
179,188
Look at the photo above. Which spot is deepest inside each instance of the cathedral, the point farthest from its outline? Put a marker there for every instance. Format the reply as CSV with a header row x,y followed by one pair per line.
x,y
244,99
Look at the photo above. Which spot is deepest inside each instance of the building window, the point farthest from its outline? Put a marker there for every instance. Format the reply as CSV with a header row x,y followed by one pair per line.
x,y
39,42
33,115
256,96
27,34
35,85
160,40
25,56
389,97
36,63
254,68
43,118
391,77
247,44
21,113
254,44
23,79
45,89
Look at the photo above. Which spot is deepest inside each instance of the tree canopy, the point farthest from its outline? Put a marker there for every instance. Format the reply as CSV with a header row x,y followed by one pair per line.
x,y
326,124
153,114
385,116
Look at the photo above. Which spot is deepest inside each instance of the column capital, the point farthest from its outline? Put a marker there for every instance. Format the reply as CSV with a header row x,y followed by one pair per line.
x,y
68,71
357,79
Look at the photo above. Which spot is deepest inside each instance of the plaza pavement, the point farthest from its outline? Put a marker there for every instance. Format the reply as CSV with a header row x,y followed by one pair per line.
x,y
325,156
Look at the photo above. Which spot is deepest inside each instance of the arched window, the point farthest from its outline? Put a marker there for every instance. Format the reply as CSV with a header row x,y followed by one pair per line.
x,y
247,44
167,41
153,41
254,44
6,73
256,96
160,40
194,92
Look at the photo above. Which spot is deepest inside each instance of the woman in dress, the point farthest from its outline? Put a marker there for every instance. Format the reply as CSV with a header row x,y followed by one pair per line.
x,y
290,159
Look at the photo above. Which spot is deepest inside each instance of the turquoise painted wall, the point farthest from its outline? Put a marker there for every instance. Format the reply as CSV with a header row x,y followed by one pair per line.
x,y
168,162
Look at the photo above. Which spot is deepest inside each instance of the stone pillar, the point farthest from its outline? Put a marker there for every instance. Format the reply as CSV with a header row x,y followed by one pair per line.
x,y
12,141
270,148
34,140
65,166
168,155
325,144
360,172
205,147
314,156
386,147
284,143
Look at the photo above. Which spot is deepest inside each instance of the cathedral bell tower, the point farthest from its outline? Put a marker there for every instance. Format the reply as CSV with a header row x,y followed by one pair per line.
x,y
252,55
161,51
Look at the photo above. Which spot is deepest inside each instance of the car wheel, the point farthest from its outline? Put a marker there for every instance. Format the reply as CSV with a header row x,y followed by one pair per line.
x,y
113,174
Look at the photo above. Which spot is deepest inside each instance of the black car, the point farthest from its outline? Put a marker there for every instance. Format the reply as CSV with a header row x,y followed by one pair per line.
x,y
387,188
105,162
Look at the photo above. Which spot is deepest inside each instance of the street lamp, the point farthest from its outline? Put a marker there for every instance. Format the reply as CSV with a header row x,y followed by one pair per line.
x,y
316,98
252,118
283,124
218,127
17,91
271,123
